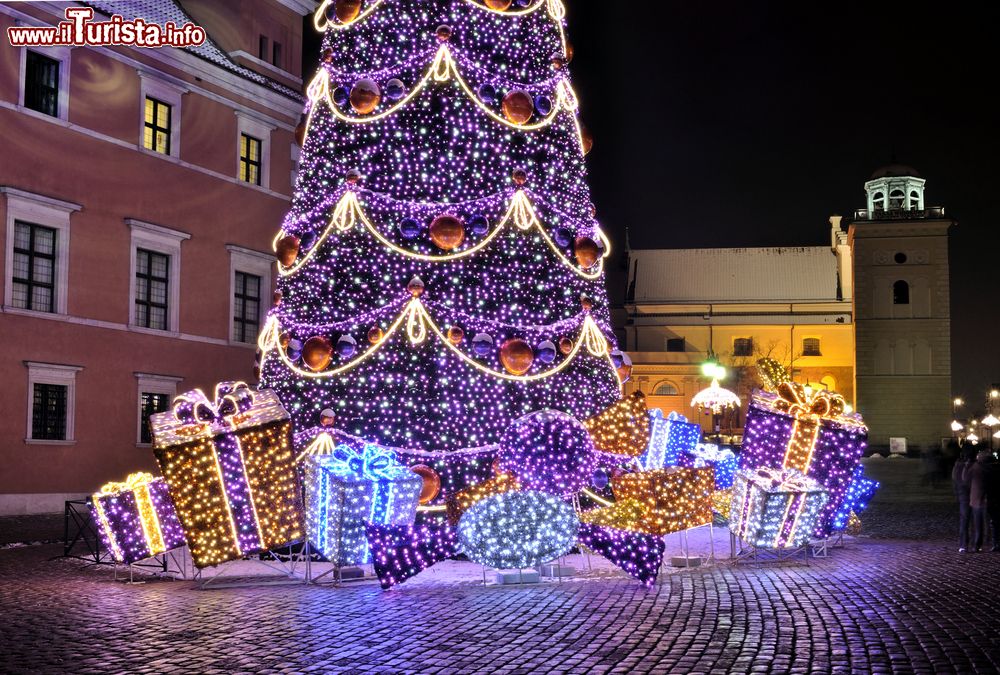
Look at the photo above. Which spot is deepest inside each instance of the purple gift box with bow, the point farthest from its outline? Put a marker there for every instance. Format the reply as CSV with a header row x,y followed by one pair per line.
x,y
229,465
349,488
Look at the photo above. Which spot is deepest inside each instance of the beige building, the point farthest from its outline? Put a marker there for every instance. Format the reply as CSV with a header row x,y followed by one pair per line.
x,y
902,311
828,313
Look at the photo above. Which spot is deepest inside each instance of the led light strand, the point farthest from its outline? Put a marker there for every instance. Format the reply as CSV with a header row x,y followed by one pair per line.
x,y
442,69
418,320
348,212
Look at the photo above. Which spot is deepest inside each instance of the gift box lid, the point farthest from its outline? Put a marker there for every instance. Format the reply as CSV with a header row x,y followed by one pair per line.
x,y
767,401
781,480
174,428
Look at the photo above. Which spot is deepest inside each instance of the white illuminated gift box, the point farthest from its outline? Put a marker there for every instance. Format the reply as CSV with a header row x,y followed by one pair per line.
x,y
775,508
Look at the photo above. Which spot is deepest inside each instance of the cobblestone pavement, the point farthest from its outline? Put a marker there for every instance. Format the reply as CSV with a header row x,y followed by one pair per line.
x,y
871,607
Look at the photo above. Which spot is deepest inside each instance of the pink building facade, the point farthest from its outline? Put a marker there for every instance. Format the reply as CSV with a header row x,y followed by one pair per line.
x,y
139,193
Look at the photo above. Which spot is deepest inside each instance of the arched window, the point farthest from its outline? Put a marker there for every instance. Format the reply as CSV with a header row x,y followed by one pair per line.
x,y
665,389
896,198
878,201
830,382
901,293
914,200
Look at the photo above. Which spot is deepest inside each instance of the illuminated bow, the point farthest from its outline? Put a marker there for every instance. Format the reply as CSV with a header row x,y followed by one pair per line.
x,y
796,400
372,463
133,482
710,452
787,480
230,399
772,373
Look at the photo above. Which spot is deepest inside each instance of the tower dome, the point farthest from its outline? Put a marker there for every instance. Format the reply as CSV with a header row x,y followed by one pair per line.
x,y
895,187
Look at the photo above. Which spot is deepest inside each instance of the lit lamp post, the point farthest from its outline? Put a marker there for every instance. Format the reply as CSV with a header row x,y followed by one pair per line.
x,y
715,399
989,422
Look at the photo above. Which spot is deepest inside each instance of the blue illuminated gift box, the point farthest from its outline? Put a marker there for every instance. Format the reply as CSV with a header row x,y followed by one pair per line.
x,y
347,489
775,508
669,437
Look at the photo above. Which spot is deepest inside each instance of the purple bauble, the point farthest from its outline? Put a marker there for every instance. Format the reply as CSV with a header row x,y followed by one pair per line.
x,y
346,346
548,451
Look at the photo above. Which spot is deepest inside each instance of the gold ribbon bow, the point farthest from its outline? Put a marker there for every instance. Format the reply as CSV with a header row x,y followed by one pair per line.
x,y
808,407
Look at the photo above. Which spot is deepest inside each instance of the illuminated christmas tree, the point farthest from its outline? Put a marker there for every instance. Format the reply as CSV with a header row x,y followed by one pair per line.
x,y
441,268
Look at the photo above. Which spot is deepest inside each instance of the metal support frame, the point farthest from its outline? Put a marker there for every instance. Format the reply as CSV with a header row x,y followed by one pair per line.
x,y
747,553
294,571
79,529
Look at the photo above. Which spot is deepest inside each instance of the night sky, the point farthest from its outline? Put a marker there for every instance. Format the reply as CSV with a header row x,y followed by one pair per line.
x,y
749,124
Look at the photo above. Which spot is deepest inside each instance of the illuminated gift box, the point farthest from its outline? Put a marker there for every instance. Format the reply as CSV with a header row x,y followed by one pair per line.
x,y
623,428
231,472
658,502
775,508
136,518
348,489
722,460
669,437
859,493
798,428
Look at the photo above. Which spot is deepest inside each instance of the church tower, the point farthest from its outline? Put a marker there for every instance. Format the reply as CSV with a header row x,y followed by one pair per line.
x,y
902,318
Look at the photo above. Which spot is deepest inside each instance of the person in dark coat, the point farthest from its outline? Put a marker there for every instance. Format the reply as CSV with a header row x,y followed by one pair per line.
x,y
975,475
993,499
962,495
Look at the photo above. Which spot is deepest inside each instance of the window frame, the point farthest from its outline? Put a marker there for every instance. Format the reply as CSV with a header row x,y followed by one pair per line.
x,y
683,343
246,160
32,255
169,92
154,126
35,209
277,55
260,129
667,383
53,374
896,302
150,383
164,241
263,47
740,340
249,261
148,299
818,351
241,297
62,56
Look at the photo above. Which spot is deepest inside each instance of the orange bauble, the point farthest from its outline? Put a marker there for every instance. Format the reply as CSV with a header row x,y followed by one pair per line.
x,y
416,287
586,140
565,346
499,5
365,96
447,232
456,335
587,252
375,335
287,250
317,352
518,107
347,10
284,339
432,482
569,51
516,355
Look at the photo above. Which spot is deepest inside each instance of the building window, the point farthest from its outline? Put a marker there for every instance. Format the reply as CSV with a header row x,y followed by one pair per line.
x,y
901,293
262,48
250,159
36,251
276,55
246,307
878,201
156,132
51,397
676,345
34,267
152,279
665,389
150,404
154,291
896,198
743,346
41,84
253,144
810,347
48,412
914,200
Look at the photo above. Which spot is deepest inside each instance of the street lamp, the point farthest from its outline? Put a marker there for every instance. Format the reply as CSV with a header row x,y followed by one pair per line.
x,y
991,421
956,426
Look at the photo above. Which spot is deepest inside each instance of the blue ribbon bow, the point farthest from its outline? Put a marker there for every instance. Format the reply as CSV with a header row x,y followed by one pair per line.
x,y
372,463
